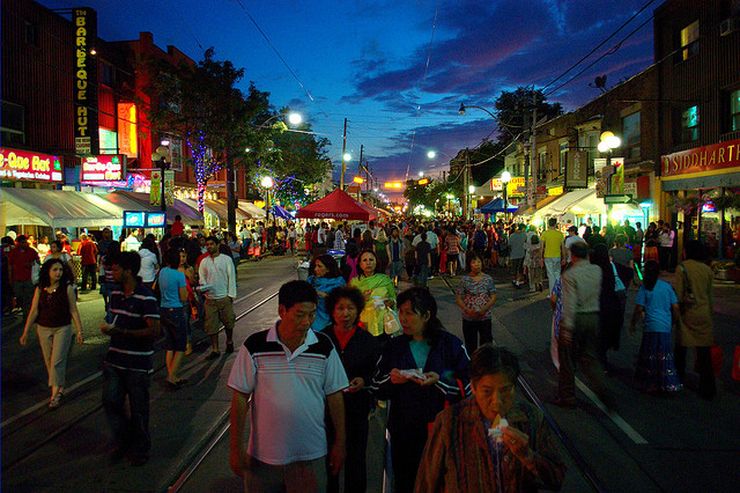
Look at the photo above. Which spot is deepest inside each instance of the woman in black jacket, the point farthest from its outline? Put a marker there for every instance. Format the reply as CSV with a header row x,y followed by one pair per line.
x,y
359,352
418,372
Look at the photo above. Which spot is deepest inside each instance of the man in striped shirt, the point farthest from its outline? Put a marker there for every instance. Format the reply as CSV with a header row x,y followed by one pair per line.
x,y
128,365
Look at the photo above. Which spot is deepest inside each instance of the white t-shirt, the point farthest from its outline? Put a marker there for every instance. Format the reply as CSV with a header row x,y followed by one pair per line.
x,y
289,393
148,269
569,240
219,276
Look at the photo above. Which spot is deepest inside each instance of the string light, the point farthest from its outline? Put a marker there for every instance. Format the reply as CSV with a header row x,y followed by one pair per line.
x,y
204,166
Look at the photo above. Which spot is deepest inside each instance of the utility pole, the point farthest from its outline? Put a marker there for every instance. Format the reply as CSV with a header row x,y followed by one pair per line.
x,y
359,166
465,185
344,149
534,157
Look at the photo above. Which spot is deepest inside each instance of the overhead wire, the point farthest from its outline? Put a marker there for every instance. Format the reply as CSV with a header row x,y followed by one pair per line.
x,y
611,51
602,43
275,50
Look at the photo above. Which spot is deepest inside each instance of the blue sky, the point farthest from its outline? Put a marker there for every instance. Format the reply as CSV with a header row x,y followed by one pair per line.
x,y
397,69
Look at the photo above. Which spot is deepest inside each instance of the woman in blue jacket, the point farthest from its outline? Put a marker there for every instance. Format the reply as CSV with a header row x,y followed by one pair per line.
x,y
418,372
324,276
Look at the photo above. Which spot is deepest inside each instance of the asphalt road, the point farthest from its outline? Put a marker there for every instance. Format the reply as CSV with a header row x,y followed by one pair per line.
x,y
652,443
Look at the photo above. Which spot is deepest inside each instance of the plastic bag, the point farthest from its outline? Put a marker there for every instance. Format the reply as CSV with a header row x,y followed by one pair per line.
x,y
391,324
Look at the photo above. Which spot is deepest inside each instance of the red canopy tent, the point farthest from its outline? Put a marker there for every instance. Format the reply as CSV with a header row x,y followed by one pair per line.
x,y
336,205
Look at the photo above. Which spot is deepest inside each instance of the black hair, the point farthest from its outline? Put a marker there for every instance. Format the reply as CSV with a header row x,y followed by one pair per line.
x,y
351,293
422,302
579,249
329,262
45,281
695,251
172,258
360,272
213,239
469,257
490,360
178,217
150,243
650,274
599,254
552,222
294,292
130,261
58,244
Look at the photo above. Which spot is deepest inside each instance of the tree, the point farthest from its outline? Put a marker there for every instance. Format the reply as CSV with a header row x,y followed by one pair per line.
x,y
514,111
203,104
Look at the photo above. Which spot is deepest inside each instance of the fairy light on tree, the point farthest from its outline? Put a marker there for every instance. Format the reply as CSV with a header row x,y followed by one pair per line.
x,y
204,167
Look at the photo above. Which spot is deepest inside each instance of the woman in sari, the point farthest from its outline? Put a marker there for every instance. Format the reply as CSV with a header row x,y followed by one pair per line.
x,y
324,276
377,287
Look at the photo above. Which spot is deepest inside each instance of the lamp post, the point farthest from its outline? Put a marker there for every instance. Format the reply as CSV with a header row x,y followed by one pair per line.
x,y
470,212
607,143
160,156
505,179
267,182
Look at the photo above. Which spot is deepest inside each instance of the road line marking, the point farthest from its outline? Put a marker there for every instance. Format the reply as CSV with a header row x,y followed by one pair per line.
x,y
616,418
41,404
248,295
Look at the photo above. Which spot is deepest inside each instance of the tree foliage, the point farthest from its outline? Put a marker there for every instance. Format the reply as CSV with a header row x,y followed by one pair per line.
x,y
514,111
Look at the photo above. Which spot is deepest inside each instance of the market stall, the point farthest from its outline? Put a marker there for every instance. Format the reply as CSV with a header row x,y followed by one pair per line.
x,y
336,205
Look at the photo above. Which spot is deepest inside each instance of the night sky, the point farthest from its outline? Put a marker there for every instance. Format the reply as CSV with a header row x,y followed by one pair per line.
x,y
397,69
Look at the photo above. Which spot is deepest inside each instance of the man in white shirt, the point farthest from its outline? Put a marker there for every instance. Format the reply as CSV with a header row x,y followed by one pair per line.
x,y
294,375
570,239
321,235
218,282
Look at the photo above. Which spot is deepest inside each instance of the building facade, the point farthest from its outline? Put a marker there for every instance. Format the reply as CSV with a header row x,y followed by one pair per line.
x,y
697,52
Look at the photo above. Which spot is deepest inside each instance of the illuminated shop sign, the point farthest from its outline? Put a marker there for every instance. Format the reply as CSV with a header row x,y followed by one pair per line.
x,y
128,143
514,188
103,168
29,166
85,82
719,156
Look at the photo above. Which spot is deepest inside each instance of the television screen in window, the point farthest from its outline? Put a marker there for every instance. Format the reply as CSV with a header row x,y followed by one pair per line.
x,y
134,219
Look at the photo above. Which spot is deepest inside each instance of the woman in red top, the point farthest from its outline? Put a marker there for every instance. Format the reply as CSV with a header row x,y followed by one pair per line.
x,y
54,310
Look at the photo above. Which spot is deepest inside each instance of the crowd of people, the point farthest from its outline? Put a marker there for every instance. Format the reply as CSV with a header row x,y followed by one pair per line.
x,y
348,342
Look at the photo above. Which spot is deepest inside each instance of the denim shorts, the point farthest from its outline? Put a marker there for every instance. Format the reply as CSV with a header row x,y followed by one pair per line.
x,y
173,323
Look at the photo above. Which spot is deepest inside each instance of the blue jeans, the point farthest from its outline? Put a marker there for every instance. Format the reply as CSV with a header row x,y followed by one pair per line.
x,y
129,433
552,265
422,275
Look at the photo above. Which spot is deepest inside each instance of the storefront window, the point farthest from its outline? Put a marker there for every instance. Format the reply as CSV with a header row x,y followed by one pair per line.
x,y
735,110
563,156
690,40
631,134
108,141
690,124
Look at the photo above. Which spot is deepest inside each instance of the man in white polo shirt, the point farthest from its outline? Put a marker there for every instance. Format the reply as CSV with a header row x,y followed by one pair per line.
x,y
292,374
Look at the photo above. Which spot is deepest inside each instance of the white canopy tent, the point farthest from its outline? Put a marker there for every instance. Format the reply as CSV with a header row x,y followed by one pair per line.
x,y
55,209
252,209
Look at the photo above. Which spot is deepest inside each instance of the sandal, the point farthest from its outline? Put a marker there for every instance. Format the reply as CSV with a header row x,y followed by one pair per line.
x,y
55,401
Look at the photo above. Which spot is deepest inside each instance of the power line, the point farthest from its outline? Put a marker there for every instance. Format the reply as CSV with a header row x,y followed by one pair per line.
x,y
272,46
599,45
611,51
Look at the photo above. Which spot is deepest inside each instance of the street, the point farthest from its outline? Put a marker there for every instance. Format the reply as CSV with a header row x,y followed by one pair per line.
x,y
681,443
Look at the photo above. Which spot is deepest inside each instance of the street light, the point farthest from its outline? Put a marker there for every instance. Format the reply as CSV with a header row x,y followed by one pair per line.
x,y
267,182
295,118
160,155
347,157
431,154
607,143
505,179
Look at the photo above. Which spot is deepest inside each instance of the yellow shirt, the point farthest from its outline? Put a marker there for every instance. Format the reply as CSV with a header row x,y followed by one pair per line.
x,y
552,238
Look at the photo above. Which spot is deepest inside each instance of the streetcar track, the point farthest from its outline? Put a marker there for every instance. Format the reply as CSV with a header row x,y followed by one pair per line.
x,y
88,412
72,388
223,426
570,447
